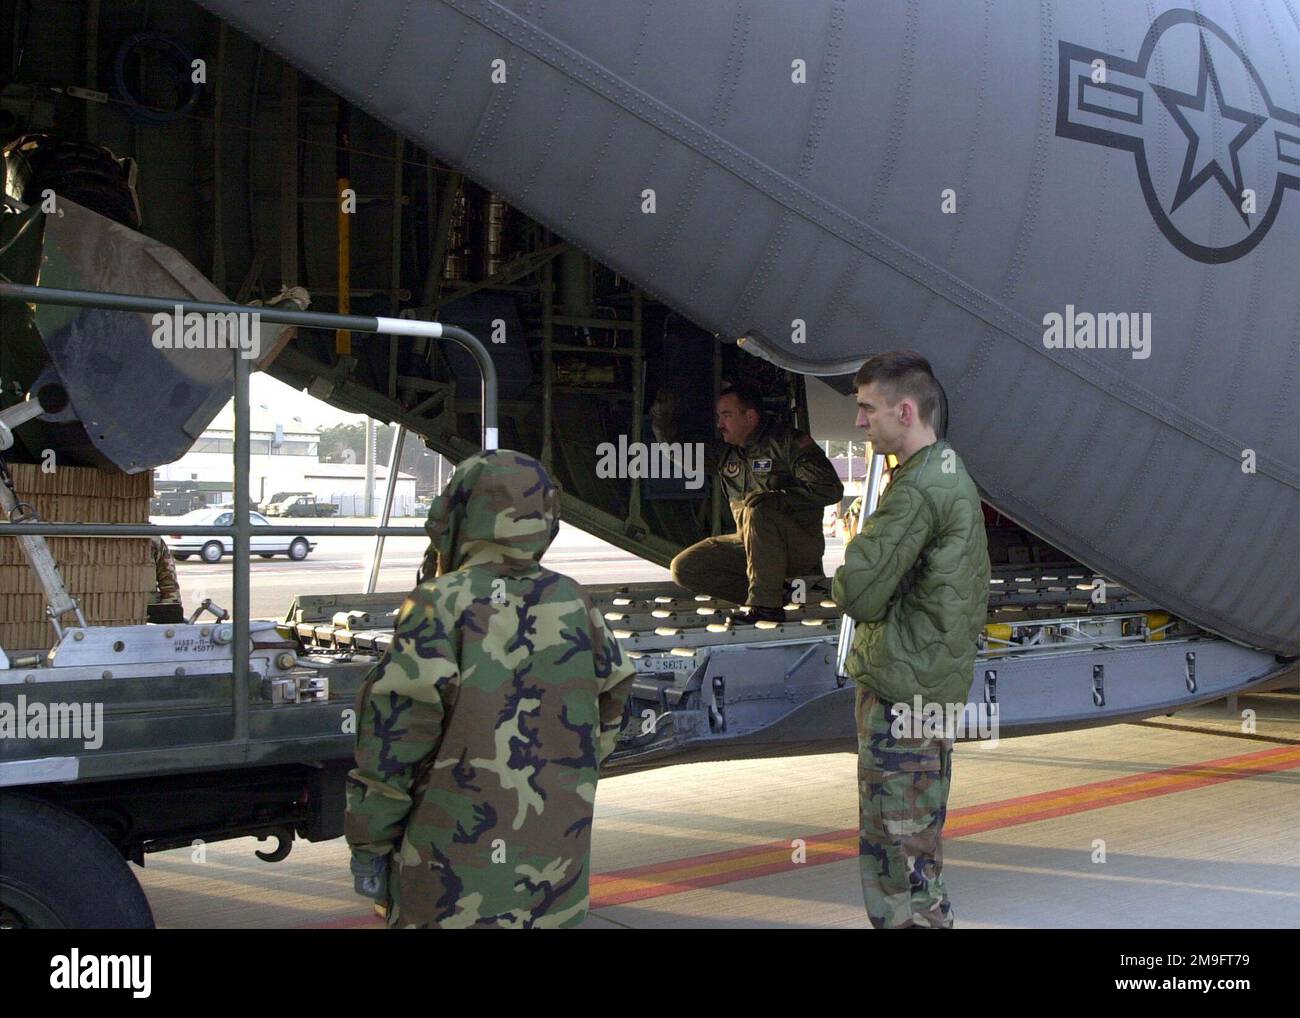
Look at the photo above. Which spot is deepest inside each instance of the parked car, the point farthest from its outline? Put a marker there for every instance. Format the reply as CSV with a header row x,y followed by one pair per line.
x,y
210,549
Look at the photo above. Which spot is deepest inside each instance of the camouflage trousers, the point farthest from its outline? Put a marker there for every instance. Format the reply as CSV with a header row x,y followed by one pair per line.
x,y
902,803
168,586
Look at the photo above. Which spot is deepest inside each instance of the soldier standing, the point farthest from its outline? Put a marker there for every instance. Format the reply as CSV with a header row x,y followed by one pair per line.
x,y
777,480
481,733
915,580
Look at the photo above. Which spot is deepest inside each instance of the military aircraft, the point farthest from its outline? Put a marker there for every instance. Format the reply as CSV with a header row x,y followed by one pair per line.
x,y
1083,215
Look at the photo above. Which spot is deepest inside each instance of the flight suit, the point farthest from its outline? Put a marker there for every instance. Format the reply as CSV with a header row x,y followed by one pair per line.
x,y
778,484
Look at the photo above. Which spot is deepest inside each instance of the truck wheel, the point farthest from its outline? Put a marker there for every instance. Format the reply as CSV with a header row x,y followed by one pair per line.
x,y
180,556
58,872
212,551
298,549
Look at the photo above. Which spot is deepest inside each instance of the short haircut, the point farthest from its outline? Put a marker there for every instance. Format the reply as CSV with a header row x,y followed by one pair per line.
x,y
746,395
904,374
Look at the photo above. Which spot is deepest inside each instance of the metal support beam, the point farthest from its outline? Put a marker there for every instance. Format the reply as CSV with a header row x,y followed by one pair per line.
x,y
278,316
243,534
715,502
155,530
524,265
636,522
288,146
218,163
343,173
441,236
385,515
870,498
548,368
399,165
369,501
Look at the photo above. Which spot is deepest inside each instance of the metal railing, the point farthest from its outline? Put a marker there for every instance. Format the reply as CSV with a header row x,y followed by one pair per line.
x,y
241,529
870,499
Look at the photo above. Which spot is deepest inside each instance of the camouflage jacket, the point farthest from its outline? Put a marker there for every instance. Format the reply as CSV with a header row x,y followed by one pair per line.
x,y
167,586
481,732
778,458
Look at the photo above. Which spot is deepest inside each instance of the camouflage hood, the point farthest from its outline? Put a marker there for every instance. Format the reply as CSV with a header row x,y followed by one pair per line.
x,y
499,508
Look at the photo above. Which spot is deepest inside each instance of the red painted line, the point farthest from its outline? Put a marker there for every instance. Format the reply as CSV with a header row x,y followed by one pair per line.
x,y
637,883
1117,791
656,880
1232,767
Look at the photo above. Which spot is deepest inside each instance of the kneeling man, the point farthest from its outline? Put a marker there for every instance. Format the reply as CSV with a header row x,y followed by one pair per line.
x,y
778,481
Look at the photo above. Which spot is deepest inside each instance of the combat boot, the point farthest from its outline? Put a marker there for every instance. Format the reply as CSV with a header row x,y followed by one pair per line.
x,y
754,613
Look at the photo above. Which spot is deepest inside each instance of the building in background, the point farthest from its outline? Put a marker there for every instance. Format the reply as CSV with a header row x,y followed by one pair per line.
x,y
282,454
288,431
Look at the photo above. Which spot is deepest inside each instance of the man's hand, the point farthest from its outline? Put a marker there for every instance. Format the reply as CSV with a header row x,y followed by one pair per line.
x,y
370,877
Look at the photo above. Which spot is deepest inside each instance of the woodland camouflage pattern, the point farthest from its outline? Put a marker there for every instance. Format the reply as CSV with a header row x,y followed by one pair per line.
x,y
903,787
481,732
168,586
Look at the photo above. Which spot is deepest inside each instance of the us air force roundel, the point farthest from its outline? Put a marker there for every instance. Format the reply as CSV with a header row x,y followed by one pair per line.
x,y
1215,188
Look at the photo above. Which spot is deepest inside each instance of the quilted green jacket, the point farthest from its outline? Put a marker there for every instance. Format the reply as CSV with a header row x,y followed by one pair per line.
x,y
916,580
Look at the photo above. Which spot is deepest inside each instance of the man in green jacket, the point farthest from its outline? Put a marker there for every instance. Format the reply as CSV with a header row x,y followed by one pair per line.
x,y
915,580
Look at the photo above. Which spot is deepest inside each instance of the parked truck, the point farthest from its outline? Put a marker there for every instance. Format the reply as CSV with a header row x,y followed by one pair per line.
x,y
300,506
